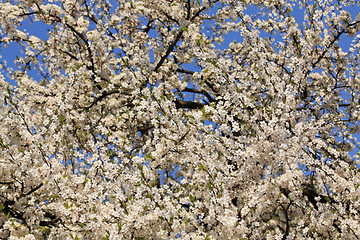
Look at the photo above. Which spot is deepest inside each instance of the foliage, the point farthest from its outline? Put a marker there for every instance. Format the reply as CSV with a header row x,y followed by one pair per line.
x,y
143,124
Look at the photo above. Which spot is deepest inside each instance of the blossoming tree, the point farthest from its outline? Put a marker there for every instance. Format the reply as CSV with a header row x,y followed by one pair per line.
x,y
141,124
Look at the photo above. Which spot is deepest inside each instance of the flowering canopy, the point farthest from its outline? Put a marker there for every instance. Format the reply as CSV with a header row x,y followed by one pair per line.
x,y
142,124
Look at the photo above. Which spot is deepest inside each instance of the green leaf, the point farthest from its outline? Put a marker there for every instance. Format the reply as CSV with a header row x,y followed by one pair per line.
x,y
66,205
148,157
192,198
62,118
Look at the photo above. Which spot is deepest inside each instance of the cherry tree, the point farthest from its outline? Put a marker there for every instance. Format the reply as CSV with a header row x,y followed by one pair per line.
x,y
143,122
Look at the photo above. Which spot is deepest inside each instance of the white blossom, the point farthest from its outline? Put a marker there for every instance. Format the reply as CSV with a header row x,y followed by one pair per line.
x,y
141,120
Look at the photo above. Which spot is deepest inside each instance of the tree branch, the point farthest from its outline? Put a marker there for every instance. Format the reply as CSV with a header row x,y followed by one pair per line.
x,y
185,104
169,50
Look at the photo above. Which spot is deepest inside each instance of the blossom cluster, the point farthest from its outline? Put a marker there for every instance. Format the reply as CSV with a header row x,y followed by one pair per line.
x,y
139,120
